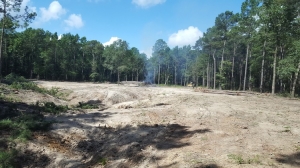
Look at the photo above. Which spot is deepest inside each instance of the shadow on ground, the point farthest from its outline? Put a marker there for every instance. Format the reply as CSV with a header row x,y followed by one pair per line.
x,y
292,159
130,143
32,159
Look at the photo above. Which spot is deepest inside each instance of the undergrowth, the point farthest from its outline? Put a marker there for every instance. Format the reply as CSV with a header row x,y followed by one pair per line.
x,y
20,126
19,82
50,107
18,122
87,105
7,158
15,127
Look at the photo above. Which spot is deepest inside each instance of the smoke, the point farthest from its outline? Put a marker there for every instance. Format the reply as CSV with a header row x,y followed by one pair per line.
x,y
149,77
149,73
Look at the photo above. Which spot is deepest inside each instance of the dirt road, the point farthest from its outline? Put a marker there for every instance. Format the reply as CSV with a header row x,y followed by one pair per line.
x,y
170,127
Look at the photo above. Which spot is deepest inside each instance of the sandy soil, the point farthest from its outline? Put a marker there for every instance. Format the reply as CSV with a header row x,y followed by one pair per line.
x,y
168,127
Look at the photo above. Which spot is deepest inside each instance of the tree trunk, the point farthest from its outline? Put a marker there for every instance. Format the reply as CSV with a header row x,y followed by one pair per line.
x,y
2,36
262,68
82,76
167,75
181,80
158,78
118,77
185,78
175,75
154,75
295,80
250,77
224,44
232,68
241,73
137,75
215,69
281,81
207,73
246,67
110,76
203,79
232,73
274,71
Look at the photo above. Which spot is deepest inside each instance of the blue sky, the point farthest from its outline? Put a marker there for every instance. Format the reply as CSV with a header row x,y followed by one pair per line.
x,y
139,22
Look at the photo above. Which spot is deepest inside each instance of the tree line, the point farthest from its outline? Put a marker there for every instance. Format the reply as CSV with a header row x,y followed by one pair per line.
x,y
35,53
256,49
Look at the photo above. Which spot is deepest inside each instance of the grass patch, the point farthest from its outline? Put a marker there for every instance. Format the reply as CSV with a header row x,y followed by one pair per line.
x,y
50,107
102,161
87,105
238,159
287,129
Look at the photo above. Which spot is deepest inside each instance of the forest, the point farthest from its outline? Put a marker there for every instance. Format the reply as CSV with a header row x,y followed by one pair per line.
x,y
256,49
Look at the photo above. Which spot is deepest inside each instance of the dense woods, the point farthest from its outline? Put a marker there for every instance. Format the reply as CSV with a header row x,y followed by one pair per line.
x,y
257,49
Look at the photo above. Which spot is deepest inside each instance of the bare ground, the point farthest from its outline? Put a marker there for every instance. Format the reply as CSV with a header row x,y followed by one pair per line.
x,y
167,127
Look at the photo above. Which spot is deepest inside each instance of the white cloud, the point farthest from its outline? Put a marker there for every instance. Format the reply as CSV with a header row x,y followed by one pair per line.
x,y
147,51
187,36
74,21
54,11
60,36
147,3
112,40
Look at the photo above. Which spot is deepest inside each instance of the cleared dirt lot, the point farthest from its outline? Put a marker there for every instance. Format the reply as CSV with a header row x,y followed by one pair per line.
x,y
169,127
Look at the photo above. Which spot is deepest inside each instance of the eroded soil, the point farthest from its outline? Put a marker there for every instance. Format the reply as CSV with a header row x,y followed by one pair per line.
x,y
167,127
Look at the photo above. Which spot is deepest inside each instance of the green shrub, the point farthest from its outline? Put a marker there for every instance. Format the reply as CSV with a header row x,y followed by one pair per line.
x,y
53,91
6,124
103,161
11,78
86,105
7,158
237,158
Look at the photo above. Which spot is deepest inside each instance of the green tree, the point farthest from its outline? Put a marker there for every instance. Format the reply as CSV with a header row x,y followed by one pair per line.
x,y
117,57
8,9
248,25
224,23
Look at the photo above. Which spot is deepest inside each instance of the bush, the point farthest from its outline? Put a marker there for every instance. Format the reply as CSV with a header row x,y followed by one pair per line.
x,y
11,78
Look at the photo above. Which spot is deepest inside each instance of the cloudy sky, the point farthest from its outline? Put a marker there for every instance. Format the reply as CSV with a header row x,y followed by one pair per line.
x,y
139,22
